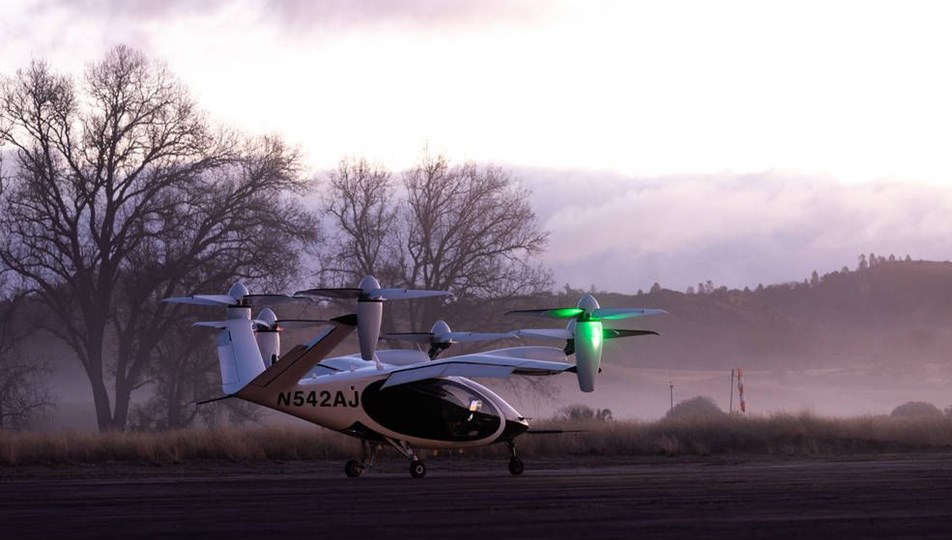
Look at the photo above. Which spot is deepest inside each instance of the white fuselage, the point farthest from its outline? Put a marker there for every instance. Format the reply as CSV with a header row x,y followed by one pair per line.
x,y
445,412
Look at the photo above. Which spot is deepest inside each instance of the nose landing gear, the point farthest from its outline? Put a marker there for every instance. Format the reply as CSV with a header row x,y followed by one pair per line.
x,y
515,464
417,469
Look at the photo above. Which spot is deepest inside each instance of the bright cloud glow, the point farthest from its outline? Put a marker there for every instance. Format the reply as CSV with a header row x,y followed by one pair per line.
x,y
782,136
851,89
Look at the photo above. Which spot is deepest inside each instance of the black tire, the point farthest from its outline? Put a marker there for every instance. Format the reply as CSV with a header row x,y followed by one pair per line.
x,y
515,466
417,469
353,469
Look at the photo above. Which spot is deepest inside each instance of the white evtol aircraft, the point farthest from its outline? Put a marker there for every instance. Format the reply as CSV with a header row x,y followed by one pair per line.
x,y
399,398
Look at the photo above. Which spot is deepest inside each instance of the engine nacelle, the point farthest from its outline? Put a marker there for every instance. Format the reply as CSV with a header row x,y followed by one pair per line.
x,y
369,318
588,353
269,343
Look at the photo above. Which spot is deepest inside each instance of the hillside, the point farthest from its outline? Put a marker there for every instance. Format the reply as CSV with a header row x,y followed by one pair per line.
x,y
890,315
859,342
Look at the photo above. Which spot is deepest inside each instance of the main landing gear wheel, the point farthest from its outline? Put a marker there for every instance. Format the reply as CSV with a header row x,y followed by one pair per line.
x,y
515,466
353,469
417,469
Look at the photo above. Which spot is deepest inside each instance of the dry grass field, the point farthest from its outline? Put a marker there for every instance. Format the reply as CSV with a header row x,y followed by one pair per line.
x,y
791,435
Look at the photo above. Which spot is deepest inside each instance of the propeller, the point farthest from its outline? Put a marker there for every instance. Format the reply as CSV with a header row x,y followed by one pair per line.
x,y
596,314
267,328
237,304
440,337
370,297
584,333
267,321
369,290
238,296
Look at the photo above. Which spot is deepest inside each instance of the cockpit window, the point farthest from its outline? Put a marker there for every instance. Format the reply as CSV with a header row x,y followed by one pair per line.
x,y
436,409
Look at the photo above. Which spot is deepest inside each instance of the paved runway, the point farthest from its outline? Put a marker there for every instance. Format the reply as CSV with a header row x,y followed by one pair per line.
x,y
901,497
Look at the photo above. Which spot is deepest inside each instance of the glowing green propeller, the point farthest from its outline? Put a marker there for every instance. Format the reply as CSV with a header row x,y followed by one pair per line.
x,y
584,335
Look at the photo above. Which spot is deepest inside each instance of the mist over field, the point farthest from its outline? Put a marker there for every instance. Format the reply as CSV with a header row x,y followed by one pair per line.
x,y
848,344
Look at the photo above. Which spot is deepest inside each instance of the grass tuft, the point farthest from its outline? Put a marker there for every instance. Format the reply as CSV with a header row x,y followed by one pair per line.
x,y
802,434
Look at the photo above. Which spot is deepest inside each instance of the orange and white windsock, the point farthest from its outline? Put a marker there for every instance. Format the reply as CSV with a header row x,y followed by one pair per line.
x,y
740,390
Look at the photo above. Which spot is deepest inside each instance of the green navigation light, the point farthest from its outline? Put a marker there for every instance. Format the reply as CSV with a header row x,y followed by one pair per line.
x,y
596,334
590,332
565,313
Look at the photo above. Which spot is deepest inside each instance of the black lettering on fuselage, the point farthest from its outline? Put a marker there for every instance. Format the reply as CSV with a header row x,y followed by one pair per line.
x,y
324,398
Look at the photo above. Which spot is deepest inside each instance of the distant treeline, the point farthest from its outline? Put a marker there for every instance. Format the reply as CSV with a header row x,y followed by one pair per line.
x,y
893,315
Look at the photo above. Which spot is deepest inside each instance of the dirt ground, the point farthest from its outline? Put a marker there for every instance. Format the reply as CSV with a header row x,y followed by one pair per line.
x,y
899,496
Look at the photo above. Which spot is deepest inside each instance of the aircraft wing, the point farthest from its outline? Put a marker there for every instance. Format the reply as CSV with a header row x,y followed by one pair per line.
x,y
554,333
500,363
609,333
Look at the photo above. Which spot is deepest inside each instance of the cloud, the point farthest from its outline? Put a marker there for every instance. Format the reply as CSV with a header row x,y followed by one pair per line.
x,y
305,14
623,234
434,14
128,11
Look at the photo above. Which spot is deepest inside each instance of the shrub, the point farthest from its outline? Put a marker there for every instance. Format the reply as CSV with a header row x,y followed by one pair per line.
x,y
915,408
583,413
700,407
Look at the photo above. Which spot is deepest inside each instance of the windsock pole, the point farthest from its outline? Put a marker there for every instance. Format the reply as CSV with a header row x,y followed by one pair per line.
x,y
671,389
740,390
731,409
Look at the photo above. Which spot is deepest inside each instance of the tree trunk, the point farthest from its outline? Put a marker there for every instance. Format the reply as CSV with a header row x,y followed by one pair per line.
x,y
101,400
121,411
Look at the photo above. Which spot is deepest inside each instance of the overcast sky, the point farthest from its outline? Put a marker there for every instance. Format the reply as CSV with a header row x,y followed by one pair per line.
x,y
670,141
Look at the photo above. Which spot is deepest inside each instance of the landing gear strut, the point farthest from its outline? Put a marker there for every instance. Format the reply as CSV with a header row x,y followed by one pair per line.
x,y
515,464
369,451
368,454
417,467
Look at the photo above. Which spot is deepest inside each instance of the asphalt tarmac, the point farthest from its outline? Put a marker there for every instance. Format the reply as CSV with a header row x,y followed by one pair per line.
x,y
883,497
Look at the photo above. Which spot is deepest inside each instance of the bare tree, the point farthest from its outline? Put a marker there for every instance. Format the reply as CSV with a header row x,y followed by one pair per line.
x,y
123,194
238,226
462,228
362,207
469,230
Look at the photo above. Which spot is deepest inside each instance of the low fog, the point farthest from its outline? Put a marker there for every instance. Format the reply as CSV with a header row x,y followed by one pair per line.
x,y
847,344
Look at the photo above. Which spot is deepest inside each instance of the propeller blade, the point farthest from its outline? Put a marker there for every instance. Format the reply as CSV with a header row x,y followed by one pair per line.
x,y
556,313
291,324
462,337
203,300
422,338
259,299
260,325
285,324
611,333
404,294
218,325
553,333
331,293
614,314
